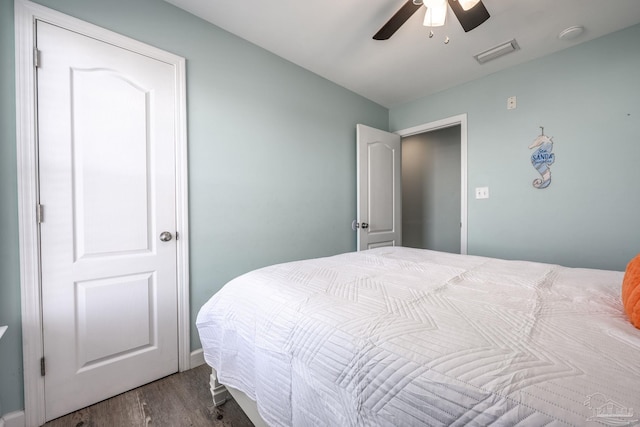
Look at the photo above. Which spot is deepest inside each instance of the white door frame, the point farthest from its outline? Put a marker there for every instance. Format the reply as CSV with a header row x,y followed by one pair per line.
x,y
26,14
441,124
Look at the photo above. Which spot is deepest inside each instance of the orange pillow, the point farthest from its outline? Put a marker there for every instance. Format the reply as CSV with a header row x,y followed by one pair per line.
x,y
631,291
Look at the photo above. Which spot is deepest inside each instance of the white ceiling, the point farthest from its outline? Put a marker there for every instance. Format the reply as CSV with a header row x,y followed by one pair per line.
x,y
333,38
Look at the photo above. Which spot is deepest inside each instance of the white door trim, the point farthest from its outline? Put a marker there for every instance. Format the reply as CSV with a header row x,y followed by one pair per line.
x,y
26,14
441,124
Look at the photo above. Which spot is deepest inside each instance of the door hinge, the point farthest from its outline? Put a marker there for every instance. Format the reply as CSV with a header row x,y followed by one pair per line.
x,y
36,57
39,213
42,369
177,235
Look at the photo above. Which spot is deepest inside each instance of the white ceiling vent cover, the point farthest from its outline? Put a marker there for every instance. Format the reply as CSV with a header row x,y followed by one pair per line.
x,y
497,51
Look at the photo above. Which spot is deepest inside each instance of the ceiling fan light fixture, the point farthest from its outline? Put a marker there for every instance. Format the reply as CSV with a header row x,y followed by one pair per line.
x,y
434,3
468,19
435,15
468,4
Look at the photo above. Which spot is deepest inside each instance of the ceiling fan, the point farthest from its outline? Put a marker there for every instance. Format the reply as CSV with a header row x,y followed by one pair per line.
x,y
470,13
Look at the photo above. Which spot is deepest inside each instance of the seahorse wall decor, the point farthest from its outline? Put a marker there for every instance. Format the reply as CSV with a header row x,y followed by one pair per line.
x,y
542,158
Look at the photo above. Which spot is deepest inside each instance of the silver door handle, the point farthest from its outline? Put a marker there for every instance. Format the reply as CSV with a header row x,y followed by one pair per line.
x,y
165,236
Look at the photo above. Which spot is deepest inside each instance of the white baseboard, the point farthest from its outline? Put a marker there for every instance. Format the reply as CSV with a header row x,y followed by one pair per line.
x,y
12,419
197,359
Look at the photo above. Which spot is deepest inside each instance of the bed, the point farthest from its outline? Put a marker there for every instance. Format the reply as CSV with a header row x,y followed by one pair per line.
x,y
396,336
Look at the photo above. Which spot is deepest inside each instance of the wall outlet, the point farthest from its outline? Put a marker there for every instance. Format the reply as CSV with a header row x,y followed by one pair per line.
x,y
511,103
482,192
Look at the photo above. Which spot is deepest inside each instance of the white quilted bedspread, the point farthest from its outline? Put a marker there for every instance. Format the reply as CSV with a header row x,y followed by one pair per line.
x,y
408,337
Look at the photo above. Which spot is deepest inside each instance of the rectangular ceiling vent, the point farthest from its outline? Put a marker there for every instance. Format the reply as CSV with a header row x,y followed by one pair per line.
x,y
497,51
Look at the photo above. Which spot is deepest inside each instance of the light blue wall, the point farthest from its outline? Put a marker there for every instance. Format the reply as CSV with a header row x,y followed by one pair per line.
x,y
11,343
271,157
586,97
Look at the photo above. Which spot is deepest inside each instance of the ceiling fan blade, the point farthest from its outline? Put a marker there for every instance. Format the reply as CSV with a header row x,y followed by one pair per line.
x,y
469,19
396,21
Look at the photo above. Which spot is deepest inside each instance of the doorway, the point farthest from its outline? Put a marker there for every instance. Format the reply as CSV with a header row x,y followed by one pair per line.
x,y
449,140
379,174
431,190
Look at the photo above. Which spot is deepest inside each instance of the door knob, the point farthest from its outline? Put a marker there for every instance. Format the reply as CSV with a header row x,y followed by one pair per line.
x,y
165,236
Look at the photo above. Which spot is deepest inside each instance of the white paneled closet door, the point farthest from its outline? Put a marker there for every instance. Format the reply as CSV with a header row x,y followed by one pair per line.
x,y
106,125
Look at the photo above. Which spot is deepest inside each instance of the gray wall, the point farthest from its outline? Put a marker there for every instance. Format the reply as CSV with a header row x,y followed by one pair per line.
x,y
271,157
587,98
431,190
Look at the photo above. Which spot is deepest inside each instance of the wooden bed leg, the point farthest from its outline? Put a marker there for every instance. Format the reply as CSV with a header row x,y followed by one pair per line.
x,y
219,392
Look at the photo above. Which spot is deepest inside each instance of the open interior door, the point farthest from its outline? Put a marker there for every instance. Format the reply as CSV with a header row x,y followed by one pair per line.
x,y
378,188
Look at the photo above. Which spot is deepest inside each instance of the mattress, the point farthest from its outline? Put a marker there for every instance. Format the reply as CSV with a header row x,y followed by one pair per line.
x,y
397,336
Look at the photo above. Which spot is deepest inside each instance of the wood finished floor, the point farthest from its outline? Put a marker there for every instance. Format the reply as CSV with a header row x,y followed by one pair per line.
x,y
178,400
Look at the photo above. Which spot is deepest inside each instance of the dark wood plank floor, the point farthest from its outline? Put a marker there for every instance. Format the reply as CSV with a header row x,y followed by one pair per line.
x,y
178,400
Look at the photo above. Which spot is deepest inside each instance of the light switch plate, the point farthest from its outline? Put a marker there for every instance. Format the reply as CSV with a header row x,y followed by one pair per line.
x,y
482,192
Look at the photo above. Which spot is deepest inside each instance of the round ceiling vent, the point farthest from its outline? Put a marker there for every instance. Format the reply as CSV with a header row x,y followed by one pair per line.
x,y
571,32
